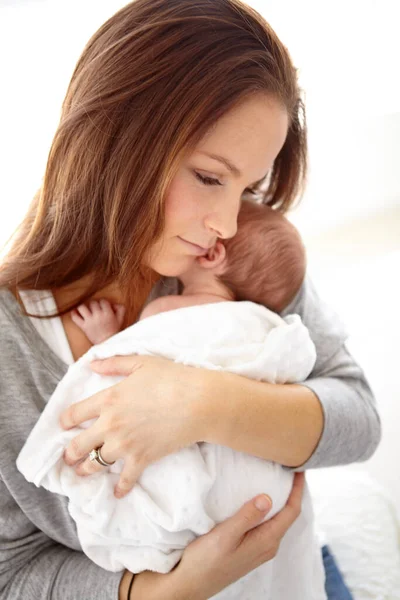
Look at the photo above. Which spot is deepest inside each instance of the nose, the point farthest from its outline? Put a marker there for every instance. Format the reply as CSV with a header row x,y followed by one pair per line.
x,y
223,222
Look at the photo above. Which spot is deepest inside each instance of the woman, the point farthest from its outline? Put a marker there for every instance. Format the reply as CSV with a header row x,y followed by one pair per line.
x,y
133,192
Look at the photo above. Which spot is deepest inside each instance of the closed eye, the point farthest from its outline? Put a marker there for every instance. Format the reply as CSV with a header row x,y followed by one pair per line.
x,y
212,181
207,180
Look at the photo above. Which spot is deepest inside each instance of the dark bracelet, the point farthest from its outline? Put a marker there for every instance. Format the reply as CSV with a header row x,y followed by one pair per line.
x,y
130,587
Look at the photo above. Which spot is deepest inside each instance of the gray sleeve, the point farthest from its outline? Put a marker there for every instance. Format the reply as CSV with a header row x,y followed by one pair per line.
x,y
32,565
352,428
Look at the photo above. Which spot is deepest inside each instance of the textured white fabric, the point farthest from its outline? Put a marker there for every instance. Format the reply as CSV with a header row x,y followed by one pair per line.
x,y
186,493
361,527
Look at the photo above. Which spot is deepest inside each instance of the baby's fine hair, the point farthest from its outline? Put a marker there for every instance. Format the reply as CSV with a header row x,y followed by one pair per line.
x,y
266,259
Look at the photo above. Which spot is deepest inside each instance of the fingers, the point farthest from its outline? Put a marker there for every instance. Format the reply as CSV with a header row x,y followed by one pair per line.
x,y
80,446
120,311
116,365
296,495
82,411
88,467
280,523
77,319
106,307
248,517
129,475
83,311
95,308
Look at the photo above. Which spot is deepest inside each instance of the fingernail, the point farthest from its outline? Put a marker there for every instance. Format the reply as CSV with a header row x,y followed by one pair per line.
x,y
118,493
263,502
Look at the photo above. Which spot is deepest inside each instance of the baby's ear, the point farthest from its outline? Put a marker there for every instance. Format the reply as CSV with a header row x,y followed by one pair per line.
x,y
214,258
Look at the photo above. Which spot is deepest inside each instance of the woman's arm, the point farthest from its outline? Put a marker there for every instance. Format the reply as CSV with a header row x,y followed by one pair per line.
x,y
282,423
330,419
162,406
149,585
233,548
32,565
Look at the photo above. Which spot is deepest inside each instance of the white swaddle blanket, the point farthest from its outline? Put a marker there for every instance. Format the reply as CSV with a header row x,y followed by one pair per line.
x,y
185,494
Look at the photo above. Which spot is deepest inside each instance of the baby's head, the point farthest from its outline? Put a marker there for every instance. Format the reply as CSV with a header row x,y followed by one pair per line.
x,y
264,262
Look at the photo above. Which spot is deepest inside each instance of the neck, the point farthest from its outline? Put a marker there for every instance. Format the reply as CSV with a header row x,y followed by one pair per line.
x,y
66,296
69,294
213,288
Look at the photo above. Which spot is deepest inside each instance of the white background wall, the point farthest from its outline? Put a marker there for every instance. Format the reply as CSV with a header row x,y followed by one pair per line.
x,y
347,52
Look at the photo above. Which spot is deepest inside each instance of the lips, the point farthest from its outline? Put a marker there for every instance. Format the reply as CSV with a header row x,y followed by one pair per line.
x,y
200,250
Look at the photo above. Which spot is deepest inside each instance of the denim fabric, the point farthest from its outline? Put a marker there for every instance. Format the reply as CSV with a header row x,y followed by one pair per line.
x,y
335,586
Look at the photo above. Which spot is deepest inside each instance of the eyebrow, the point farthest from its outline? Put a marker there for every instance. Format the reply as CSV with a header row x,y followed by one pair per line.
x,y
230,166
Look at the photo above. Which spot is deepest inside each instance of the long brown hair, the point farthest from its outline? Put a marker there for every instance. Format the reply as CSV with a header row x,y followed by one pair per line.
x,y
147,87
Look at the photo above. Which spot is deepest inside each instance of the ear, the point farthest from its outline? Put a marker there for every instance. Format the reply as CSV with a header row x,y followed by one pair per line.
x,y
214,258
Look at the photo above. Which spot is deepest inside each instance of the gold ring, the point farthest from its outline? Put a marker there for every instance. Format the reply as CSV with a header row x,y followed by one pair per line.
x,y
94,455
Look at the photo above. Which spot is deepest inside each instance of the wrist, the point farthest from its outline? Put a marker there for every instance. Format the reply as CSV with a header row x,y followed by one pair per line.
x,y
202,407
124,586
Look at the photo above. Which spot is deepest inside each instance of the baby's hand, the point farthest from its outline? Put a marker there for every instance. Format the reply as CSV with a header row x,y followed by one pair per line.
x,y
100,320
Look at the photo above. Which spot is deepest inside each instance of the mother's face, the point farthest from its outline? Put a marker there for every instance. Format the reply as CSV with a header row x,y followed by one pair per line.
x,y
203,199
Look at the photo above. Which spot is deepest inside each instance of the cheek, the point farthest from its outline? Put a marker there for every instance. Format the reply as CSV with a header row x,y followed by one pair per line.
x,y
182,209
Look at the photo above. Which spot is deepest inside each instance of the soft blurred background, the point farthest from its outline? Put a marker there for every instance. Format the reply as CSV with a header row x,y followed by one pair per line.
x,y
348,55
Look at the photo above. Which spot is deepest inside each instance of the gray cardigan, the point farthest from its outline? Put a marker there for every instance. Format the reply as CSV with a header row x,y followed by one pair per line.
x,y
40,554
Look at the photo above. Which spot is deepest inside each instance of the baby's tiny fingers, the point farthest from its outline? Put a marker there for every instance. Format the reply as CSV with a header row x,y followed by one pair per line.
x,y
120,311
84,311
95,307
76,318
106,307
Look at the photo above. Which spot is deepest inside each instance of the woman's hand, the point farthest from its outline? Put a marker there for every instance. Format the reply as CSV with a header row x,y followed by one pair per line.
x,y
143,418
217,559
234,547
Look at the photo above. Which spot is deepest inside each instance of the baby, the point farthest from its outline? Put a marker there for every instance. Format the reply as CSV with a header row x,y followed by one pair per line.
x,y
264,263
225,318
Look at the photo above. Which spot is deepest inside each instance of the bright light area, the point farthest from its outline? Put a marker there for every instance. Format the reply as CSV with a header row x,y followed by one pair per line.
x,y
347,56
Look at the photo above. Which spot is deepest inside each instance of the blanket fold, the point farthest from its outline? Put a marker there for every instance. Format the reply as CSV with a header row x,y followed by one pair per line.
x,y
185,494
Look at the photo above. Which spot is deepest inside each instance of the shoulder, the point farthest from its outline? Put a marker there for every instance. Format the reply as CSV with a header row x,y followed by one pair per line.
x,y
159,305
14,336
29,372
6,299
15,328
10,315
311,306
173,302
22,349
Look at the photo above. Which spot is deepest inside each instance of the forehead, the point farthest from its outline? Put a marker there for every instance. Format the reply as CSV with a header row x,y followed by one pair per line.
x,y
249,136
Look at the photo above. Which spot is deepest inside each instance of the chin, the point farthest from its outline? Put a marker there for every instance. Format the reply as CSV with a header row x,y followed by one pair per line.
x,y
174,267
